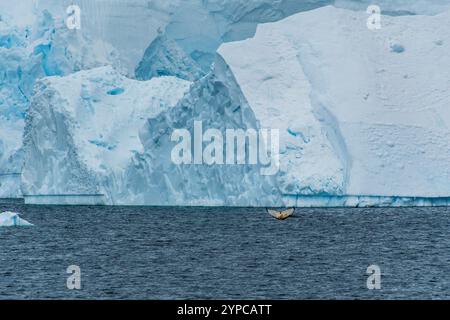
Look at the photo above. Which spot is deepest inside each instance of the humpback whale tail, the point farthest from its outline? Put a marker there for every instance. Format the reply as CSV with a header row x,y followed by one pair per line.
x,y
281,215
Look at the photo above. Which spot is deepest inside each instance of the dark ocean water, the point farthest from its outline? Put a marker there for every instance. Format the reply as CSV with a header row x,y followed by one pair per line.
x,y
225,253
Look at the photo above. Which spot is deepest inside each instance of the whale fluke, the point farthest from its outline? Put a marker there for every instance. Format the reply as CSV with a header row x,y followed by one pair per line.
x,y
281,215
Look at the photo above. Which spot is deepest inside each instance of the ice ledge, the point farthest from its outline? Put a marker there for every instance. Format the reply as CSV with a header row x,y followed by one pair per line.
x,y
363,201
288,201
67,199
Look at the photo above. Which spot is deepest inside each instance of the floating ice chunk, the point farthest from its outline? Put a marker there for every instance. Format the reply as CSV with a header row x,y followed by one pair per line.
x,y
12,219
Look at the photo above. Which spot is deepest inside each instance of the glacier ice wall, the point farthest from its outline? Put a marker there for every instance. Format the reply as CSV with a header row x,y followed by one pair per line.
x,y
379,98
96,135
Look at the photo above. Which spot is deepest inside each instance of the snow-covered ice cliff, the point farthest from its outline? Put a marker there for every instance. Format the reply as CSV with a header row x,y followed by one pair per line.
x,y
363,112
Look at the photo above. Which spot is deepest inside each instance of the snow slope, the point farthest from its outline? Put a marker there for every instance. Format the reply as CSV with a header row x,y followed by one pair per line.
x,y
368,110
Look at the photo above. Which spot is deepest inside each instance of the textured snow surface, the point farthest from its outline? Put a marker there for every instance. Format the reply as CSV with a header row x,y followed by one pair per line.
x,y
368,111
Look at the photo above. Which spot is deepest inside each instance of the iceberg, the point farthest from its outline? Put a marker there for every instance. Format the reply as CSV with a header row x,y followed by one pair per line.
x,y
362,114
360,117
12,219
357,113
98,136
154,179
28,53
82,132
